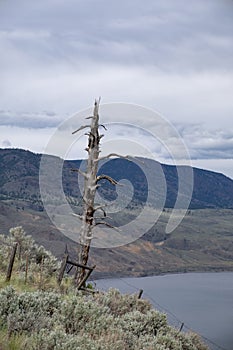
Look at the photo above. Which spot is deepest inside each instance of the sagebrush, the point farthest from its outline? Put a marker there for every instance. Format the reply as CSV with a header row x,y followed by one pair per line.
x,y
102,321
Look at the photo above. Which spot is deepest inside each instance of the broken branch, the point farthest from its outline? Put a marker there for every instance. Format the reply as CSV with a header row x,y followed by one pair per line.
x,y
80,172
103,126
81,128
102,209
106,177
103,217
106,224
78,216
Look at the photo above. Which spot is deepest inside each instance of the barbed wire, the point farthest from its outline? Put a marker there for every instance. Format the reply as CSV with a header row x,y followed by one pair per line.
x,y
179,323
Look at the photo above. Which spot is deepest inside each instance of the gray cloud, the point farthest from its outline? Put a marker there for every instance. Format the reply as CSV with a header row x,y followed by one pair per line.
x,y
169,35
167,55
208,144
30,120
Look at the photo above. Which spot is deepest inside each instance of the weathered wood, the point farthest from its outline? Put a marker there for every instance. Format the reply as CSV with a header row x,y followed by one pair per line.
x,y
41,273
66,261
79,265
26,268
81,128
62,269
90,186
82,282
11,262
69,269
106,177
89,290
181,327
140,293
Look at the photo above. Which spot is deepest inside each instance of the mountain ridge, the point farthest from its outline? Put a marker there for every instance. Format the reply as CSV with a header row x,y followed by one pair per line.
x,y
19,178
202,242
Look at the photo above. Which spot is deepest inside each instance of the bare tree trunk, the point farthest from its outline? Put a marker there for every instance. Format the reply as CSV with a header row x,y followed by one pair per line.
x,y
90,185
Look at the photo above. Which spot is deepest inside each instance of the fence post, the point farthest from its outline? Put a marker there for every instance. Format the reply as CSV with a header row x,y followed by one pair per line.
x,y
11,263
181,327
62,269
26,268
140,293
82,282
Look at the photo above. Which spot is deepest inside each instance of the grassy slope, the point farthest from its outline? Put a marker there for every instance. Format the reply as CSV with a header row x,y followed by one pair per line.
x,y
202,242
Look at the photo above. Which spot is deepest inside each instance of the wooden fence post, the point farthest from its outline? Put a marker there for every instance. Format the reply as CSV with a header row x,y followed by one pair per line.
x,y
82,282
140,293
181,327
11,262
66,261
62,269
26,268
41,274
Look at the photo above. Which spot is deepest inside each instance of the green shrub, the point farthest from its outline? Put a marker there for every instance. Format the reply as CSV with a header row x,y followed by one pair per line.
x,y
139,324
39,262
28,311
103,321
120,304
7,298
78,314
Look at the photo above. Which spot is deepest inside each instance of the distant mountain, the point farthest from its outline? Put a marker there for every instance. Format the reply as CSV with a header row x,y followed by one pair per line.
x,y
202,242
19,179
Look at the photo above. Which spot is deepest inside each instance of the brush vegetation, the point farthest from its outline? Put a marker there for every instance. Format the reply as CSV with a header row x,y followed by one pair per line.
x,y
37,314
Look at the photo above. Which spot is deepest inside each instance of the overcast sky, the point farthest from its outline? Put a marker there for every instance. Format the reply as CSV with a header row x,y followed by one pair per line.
x,y
172,56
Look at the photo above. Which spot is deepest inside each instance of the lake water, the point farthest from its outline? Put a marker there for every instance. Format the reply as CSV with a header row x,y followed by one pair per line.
x,y
202,301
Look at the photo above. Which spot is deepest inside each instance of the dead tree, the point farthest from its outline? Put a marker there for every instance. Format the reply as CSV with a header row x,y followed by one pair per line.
x,y
88,218
90,185
89,221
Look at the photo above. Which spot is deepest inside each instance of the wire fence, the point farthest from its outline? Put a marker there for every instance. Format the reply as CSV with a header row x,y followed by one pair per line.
x,y
173,320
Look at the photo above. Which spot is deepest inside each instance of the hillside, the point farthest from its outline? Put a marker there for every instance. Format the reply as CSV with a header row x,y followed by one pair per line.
x,y
19,179
202,242
38,313
49,320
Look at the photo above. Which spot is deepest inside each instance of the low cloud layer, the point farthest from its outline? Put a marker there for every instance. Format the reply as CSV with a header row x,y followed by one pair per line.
x,y
30,120
208,144
167,55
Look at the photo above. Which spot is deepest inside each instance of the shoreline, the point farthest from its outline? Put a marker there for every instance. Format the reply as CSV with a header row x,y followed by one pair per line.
x,y
115,275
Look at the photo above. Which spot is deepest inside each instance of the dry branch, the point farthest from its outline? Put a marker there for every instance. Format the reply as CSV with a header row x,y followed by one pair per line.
x,y
106,177
78,216
102,209
81,128
106,224
80,172
103,126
